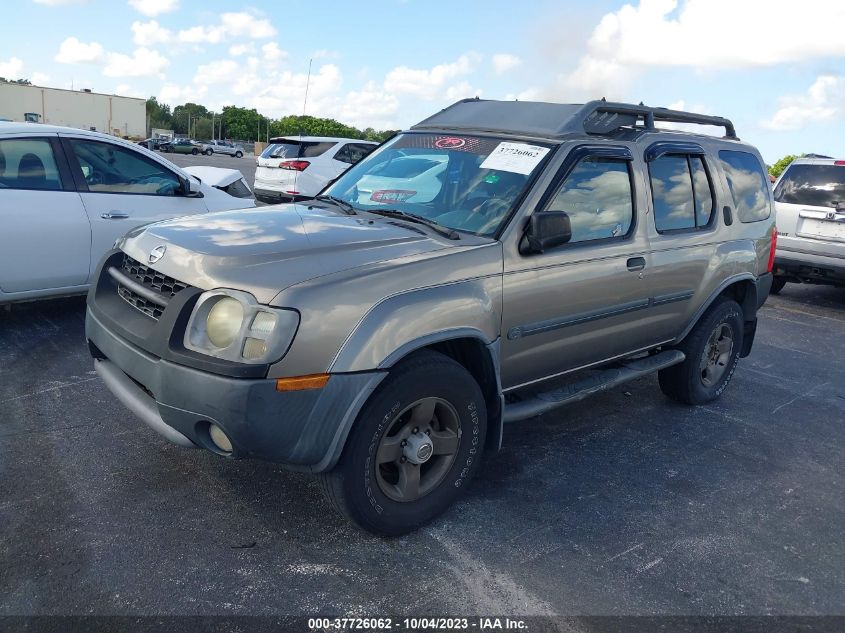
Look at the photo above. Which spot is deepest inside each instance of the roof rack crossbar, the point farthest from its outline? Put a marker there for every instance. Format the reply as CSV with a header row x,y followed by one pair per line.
x,y
602,117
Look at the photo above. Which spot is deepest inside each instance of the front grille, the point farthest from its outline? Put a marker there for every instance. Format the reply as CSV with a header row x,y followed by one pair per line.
x,y
144,275
140,303
161,284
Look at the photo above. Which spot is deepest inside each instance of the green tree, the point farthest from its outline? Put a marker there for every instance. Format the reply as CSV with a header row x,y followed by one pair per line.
x,y
158,114
242,123
187,115
778,168
202,128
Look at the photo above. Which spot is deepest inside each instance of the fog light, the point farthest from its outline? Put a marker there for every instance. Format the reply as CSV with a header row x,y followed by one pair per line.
x,y
220,439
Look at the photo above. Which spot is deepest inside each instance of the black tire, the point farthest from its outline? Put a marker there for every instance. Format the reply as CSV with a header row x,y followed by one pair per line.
x,y
355,488
689,382
777,285
195,151
239,154
208,152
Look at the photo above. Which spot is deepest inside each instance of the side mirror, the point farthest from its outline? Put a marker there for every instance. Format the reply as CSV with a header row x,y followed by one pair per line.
x,y
191,188
547,229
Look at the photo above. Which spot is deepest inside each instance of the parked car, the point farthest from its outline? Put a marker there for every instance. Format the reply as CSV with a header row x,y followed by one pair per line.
x,y
182,146
383,346
404,178
226,147
296,168
153,143
66,195
810,201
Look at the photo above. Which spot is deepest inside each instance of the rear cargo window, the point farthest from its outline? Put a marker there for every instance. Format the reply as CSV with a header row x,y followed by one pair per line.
x,y
297,149
748,184
812,185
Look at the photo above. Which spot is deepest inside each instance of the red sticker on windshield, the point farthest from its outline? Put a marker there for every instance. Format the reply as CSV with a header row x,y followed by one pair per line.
x,y
449,142
388,196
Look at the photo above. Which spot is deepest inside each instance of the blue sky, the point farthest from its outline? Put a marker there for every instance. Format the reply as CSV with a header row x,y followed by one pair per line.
x,y
776,67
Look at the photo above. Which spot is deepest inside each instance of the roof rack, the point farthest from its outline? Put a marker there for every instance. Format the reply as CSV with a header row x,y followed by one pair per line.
x,y
603,117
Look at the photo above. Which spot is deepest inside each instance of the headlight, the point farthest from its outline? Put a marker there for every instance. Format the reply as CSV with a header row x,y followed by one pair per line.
x,y
224,322
232,325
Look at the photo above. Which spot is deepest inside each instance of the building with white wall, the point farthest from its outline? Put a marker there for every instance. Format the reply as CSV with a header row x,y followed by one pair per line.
x,y
112,114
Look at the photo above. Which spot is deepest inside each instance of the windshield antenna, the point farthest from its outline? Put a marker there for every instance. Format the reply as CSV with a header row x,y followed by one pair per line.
x,y
302,121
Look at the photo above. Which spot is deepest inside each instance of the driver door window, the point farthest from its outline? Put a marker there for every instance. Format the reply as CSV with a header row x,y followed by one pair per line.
x,y
108,168
597,197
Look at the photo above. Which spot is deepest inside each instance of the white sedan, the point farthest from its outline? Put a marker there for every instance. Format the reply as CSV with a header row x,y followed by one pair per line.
x,y
66,195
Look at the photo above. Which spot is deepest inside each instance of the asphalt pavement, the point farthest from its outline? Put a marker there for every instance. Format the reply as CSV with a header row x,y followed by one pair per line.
x,y
625,503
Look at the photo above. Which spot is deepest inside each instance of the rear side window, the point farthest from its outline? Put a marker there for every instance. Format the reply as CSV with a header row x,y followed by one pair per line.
x,y
297,149
28,163
748,184
813,185
353,152
598,198
681,192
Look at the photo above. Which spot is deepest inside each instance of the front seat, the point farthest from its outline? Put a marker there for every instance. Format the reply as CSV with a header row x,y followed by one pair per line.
x,y
31,173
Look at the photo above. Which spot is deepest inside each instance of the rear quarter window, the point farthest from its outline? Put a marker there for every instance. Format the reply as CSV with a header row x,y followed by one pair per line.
x,y
748,184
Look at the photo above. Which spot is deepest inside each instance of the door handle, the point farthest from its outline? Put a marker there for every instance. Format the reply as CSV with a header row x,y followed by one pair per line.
x,y
636,263
114,215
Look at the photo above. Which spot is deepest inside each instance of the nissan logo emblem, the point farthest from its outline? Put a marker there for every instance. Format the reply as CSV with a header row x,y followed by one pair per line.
x,y
156,254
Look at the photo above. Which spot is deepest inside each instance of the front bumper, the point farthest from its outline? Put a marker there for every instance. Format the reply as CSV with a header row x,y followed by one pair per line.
x,y
304,430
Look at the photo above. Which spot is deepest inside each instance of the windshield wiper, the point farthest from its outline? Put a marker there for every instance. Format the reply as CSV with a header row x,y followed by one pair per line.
x,y
348,209
446,232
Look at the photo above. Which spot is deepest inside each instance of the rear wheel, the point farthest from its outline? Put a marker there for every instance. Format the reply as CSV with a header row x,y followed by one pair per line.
x,y
239,154
208,152
712,353
777,285
414,447
195,151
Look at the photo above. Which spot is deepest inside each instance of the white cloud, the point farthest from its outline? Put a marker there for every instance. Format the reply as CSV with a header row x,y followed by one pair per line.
x,y
154,7
237,50
503,62
142,63
369,107
11,68
324,53
529,94
659,33
429,83
72,51
823,101
231,25
57,3
272,52
175,94
39,79
150,33
461,90
217,72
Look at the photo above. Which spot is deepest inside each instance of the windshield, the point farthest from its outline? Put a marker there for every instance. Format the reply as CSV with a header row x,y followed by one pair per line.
x,y
465,183
813,185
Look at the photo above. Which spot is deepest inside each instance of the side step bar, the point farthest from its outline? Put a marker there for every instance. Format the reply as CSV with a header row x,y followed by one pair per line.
x,y
599,381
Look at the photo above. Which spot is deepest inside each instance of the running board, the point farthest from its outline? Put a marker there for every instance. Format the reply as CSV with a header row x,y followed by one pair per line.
x,y
599,381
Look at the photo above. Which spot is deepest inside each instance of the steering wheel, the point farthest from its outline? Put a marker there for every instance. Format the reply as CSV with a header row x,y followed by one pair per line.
x,y
494,207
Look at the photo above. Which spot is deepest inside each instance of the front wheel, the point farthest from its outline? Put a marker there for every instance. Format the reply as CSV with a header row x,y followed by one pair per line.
x,y
712,353
239,154
208,152
413,449
195,151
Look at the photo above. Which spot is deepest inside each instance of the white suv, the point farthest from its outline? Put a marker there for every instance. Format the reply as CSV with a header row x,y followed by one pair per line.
x,y
66,195
299,167
810,200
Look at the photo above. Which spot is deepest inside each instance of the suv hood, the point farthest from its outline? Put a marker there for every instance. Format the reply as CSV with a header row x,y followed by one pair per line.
x,y
265,250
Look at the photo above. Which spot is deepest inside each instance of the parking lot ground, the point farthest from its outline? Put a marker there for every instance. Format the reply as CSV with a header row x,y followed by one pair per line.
x,y
625,503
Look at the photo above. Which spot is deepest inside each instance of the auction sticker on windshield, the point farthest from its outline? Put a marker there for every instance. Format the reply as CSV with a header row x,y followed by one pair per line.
x,y
518,158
